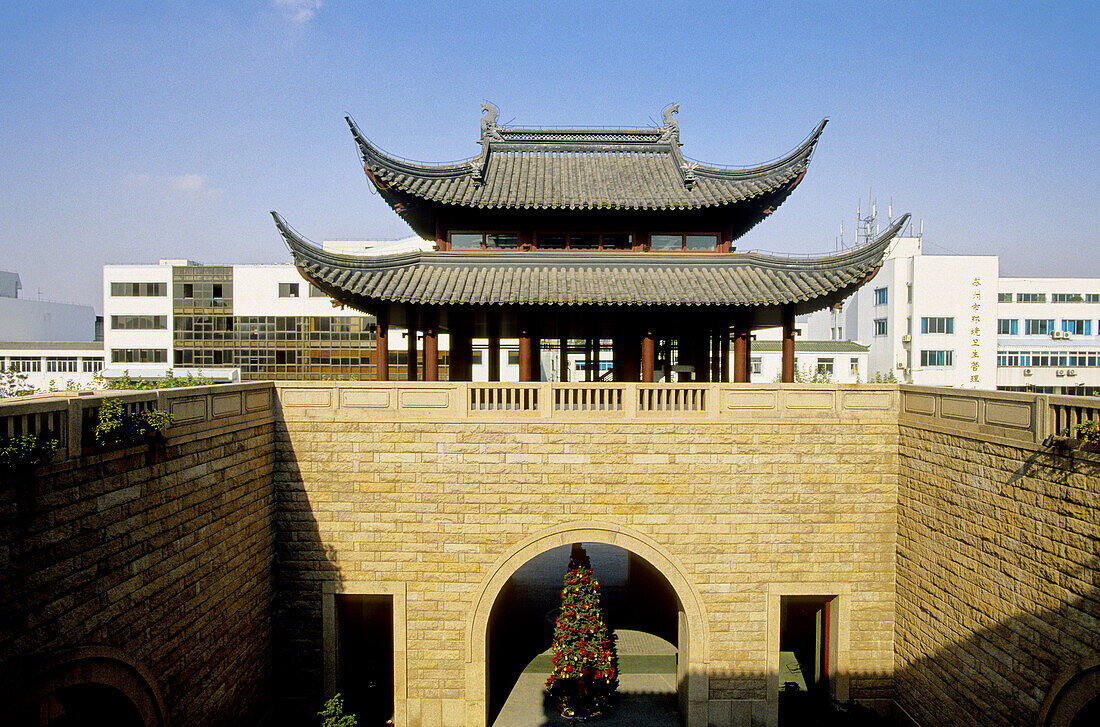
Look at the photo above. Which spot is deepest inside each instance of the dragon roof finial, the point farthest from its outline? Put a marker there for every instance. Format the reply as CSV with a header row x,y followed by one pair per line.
x,y
489,121
671,129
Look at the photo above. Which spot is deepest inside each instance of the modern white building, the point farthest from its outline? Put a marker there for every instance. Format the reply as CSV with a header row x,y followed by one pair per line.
x,y
263,321
952,320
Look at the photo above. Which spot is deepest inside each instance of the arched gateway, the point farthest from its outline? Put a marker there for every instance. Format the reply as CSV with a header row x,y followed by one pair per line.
x,y
693,639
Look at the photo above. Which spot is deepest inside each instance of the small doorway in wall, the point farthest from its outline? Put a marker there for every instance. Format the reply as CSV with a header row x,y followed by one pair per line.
x,y
807,648
364,662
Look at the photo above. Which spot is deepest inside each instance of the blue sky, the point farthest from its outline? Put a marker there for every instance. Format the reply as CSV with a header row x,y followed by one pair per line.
x,y
131,131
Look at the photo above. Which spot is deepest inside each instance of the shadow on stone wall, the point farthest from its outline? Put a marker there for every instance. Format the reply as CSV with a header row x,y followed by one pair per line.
x,y
303,564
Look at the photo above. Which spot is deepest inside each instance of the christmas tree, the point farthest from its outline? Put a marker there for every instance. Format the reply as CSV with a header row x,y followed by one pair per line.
x,y
586,666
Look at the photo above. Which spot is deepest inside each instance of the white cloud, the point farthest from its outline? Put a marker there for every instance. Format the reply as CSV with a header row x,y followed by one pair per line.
x,y
298,11
190,186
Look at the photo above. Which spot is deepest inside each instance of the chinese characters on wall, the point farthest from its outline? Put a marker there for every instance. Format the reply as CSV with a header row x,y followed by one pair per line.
x,y
975,329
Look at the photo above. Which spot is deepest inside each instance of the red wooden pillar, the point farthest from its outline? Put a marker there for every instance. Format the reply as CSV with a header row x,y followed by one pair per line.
x,y
740,352
788,344
525,344
382,346
649,353
431,348
410,348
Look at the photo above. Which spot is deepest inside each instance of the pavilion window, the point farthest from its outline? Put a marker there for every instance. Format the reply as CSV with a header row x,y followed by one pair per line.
x,y
584,241
690,242
484,240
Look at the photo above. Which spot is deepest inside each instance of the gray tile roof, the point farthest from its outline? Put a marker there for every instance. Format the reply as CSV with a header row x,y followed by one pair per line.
x,y
579,169
580,278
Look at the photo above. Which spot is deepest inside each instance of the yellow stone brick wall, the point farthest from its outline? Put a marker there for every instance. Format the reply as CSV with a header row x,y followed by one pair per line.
x,y
799,487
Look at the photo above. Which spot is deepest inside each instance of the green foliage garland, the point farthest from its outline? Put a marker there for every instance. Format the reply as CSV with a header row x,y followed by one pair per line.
x,y
586,666
116,425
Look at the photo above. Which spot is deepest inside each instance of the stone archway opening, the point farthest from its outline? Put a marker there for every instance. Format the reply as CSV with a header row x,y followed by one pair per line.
x,y
89,687
640,606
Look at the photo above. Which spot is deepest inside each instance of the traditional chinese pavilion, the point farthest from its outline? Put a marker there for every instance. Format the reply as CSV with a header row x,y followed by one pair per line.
x,y
586,234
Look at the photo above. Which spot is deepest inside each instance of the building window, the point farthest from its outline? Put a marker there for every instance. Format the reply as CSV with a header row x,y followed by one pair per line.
x,y
25,364
315,292
757,364
188,290
697,243
1038,326
139,323
142,290
584,241
1031,297
139,355
1067,298
908,292
853,366
513,358
825,366
92,365
484,241
1004,297
288,290
880,296
1008,327
937,358
1079,327
475,358
937,325
880,326
1092,297
65,364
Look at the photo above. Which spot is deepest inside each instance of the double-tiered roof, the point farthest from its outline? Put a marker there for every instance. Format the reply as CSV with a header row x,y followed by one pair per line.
x,y
573,230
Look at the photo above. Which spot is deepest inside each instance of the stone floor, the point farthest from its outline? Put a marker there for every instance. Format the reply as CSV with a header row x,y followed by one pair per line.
x,y
647,688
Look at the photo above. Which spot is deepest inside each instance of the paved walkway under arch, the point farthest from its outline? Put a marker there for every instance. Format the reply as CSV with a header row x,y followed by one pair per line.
x,y
647,688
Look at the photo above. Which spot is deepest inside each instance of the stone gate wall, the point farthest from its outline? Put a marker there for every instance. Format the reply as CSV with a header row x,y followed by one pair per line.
x,y
756,491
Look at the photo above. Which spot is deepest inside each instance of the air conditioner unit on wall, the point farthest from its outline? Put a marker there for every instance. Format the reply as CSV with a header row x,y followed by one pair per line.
x,y
1027,372
1071,372
906,338
1060,372
1060,335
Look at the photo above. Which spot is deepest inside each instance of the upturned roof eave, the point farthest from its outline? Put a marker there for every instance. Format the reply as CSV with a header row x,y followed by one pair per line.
x,y
871,252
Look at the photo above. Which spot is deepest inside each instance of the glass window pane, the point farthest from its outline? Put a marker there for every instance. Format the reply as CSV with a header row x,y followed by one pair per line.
x,y
702,242
504,241
584,241
466,241
666,242
551,241
618,241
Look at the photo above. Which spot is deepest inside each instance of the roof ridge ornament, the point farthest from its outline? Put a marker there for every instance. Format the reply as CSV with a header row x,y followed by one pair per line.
x,y
671,129
489,129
